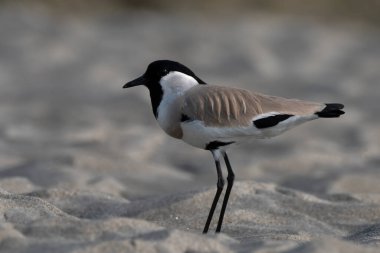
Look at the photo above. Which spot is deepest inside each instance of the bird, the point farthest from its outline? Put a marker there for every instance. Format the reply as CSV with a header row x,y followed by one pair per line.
x,y
214,118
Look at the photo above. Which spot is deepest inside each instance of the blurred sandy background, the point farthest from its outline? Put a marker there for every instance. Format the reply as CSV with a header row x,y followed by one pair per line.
x,y
76,145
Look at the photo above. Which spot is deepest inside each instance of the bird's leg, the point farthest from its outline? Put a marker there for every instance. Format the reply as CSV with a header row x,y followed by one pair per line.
x,y
230,182
219,185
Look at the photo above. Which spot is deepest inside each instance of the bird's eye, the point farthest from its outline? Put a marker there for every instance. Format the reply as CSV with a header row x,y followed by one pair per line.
x,y
165,71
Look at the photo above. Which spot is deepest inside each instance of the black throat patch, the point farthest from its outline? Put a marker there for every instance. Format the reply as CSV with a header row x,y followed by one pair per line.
x,y
156,94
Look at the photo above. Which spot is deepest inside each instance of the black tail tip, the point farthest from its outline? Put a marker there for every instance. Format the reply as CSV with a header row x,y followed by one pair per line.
x,y
332,110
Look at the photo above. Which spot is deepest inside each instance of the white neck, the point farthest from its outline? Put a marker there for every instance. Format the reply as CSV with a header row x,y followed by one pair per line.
x,y
174,85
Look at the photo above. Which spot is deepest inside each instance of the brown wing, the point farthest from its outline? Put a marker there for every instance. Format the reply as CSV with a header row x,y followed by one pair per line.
x,y
288,106
218,105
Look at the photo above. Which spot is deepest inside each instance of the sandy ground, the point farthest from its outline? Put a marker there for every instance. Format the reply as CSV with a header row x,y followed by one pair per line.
x,y
84,166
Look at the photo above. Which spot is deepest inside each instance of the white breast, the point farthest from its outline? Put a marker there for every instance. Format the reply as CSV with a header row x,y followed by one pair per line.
x,y
173,85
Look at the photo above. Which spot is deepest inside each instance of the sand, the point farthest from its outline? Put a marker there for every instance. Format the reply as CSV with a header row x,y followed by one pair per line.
x,y
84,166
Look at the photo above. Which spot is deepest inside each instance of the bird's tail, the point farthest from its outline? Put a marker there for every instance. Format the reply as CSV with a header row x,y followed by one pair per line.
x,y
331,111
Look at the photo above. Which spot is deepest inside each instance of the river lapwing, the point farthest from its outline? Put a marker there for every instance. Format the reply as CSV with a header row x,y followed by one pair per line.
x,y
214,117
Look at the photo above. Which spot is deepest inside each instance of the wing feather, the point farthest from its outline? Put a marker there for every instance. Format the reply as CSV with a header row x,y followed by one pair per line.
x,y
228,107
220,105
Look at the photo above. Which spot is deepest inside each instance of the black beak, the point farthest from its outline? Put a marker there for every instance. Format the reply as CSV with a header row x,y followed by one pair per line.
x,y
138,81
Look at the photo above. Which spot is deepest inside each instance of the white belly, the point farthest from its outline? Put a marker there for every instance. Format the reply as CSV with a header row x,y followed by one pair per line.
x,y
198,135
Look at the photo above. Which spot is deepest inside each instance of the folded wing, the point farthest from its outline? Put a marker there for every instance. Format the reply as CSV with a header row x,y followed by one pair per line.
x,y
229,107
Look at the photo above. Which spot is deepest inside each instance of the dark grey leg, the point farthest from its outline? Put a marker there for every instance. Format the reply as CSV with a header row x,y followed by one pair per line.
x,y
230,182
219,185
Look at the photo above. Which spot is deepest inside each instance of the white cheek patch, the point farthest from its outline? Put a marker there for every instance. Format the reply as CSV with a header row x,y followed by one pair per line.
x,y
177,82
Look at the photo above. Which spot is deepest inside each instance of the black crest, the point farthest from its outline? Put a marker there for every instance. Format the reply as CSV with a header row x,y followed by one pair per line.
x,y
158,69
152,76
